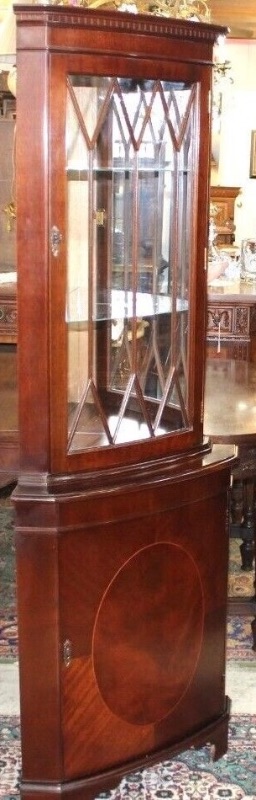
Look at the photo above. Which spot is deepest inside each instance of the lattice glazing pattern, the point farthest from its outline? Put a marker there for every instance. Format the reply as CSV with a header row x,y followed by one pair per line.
x,y
131,188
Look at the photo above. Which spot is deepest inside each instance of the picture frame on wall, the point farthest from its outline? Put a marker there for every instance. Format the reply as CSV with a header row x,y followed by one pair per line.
x,y
253,155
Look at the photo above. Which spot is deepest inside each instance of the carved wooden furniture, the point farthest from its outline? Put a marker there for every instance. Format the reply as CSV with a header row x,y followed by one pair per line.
x,y
9,446
8,299
8,313
223,199
231,321
230,417
121,504
7,183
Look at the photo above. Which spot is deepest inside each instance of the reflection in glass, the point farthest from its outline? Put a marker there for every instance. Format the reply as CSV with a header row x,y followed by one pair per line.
x,y
131,189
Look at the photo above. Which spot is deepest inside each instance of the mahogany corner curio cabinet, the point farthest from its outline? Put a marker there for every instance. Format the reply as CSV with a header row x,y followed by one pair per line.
x,y
121,505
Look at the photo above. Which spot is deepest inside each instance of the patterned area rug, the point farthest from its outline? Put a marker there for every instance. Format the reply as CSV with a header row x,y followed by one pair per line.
x,y
239,640
240,583
192,775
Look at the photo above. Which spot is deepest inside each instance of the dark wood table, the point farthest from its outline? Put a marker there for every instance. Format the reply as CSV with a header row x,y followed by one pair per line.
x,y
230,417
230,401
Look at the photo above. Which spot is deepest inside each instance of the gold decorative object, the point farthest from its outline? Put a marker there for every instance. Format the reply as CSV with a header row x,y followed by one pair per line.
x,y
10,211
196,10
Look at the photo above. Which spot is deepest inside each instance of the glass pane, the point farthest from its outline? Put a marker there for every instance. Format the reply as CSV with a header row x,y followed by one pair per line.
x,y
131,195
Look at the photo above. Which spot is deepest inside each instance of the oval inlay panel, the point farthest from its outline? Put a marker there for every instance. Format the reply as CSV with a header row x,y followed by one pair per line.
x,y
148,633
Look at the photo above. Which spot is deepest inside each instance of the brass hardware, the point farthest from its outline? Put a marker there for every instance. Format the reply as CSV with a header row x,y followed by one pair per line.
x,y
55,239
67,652
10,211
101,217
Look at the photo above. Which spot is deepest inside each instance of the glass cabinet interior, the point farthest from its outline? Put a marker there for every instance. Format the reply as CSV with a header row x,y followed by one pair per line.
x,y
131,187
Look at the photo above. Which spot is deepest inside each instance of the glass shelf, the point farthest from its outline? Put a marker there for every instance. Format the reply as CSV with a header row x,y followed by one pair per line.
x,y
117,304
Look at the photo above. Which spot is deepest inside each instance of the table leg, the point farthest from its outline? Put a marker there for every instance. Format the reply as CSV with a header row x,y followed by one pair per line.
x,y
248,525
243,525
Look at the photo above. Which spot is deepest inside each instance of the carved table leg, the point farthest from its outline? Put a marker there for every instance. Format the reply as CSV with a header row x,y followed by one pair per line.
x,y
247,528
237,502
253,623
243,524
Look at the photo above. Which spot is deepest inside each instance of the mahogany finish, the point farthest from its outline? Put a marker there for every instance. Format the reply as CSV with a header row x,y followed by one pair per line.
x,y
114,586
122,613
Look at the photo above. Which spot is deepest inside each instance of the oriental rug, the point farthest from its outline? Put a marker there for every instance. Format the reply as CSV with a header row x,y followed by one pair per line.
x,y
191,776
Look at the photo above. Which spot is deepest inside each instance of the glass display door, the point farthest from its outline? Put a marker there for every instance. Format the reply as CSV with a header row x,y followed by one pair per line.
x,y
132,184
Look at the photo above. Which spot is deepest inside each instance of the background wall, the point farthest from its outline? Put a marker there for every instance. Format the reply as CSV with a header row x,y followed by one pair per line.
x,y
238,119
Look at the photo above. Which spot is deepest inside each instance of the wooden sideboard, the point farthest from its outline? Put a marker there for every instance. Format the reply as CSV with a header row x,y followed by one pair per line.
x,y
231,322
223,199
8,313
9,445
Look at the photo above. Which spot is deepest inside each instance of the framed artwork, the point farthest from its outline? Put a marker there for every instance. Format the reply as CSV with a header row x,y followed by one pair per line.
x,y
253,155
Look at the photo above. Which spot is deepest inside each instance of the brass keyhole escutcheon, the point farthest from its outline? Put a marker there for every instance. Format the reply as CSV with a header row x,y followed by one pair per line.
x,y
55,239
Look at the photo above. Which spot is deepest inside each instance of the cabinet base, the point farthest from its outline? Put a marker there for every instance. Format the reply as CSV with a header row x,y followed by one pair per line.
x,y
215,734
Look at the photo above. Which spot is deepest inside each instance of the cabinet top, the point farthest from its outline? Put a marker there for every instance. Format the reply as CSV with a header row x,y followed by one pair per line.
x,y
55,16
112,227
